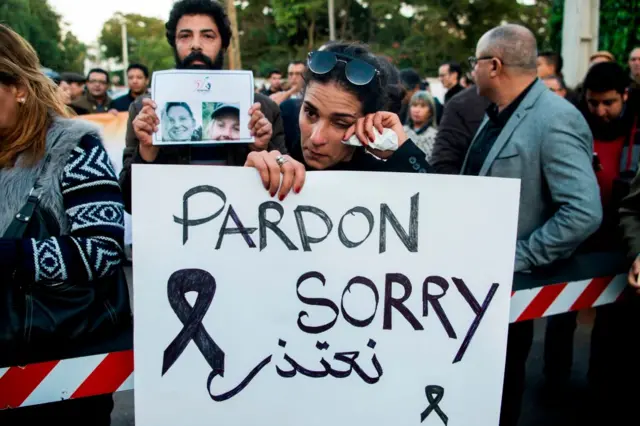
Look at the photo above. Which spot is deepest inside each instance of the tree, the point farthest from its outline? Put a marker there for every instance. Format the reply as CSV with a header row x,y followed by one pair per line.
x,y
74,52
619,27
146,39
38,23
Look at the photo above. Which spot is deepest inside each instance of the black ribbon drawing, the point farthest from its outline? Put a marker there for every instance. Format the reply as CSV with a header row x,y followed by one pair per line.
x,y
203,283
434,396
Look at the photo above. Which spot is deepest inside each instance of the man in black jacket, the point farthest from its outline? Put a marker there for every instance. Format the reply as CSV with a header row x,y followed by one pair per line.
x,y
460,121
199,33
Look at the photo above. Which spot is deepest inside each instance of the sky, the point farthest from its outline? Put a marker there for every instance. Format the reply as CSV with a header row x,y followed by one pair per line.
x,y
85,18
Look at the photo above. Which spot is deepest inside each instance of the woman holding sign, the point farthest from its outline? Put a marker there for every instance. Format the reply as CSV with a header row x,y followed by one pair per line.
x,y
62,288
343,125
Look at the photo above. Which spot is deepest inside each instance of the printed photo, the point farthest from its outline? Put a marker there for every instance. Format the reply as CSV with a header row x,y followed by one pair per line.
x,y
221,121
180,123
202,107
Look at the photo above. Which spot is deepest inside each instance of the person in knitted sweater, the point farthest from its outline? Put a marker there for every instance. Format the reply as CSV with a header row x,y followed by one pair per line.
x,y
421,126
79,192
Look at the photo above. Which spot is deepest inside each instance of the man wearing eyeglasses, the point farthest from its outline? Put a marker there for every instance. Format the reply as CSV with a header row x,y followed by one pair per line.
x,y
533,135
96,99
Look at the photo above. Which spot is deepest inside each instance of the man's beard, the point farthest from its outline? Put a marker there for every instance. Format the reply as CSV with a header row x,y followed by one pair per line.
x,y
207,64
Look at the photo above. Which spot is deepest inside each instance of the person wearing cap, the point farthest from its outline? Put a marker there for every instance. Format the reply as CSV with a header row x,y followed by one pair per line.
x,y
601,56
225,123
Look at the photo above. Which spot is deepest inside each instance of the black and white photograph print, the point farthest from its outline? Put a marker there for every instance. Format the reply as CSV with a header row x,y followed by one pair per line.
x,y
221,121
202,107
180,122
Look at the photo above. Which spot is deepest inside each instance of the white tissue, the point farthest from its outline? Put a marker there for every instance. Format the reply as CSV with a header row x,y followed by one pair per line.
x,y
387,141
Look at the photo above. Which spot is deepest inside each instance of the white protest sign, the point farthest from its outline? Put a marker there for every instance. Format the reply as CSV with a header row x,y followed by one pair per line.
x,y
367,299
202,106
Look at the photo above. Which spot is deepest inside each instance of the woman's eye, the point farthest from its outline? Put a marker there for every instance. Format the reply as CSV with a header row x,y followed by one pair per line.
x,y
342,125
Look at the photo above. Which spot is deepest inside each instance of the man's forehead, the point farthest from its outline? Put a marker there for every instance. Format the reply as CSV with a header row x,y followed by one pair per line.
x,y
95,74
635,53
603,96
296,66
196,23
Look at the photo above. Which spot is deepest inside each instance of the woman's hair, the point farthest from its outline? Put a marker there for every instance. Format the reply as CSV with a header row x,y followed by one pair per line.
x,y
178,104
395,90
424,97
373,96
20,67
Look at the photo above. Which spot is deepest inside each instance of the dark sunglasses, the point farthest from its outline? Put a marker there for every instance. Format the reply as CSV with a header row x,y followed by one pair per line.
x,y
357,71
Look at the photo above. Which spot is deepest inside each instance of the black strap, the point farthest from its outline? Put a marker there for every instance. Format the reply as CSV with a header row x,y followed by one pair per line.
x,y
20,222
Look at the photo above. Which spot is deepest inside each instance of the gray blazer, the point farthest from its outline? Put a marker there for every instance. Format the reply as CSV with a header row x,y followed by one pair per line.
x,y
547,144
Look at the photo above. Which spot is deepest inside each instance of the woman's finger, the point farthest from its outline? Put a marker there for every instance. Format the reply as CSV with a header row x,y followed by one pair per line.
x,y
350,132
360,132
299,177
368,127
377,122
256,160
288,173
274,174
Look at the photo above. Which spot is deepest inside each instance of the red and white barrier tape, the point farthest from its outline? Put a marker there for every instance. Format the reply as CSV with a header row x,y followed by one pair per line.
x,y
108,373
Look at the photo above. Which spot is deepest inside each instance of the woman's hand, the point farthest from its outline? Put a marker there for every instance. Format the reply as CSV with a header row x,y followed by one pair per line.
x,y
291,171
144,126
363,129
260,128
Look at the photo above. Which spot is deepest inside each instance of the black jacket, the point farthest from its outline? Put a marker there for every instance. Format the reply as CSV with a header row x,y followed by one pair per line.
x,y
462,117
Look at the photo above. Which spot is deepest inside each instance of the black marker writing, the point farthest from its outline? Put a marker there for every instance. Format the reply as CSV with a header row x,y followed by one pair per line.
x,y
185,221
304,237
341,234
239,229
180,283
409,240
434,396
348,358
477,309
315,302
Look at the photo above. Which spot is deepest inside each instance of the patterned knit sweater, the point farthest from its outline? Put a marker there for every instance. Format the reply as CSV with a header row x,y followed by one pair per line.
x,y
95,211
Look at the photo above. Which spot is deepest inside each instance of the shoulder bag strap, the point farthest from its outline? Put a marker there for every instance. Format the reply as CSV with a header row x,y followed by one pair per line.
x,y
20,222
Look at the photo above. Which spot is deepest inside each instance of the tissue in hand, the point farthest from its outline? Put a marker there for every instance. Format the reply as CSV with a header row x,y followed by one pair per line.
x,y
387,141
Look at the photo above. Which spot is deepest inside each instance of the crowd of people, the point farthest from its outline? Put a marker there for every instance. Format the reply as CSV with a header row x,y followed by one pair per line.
x,y
575,150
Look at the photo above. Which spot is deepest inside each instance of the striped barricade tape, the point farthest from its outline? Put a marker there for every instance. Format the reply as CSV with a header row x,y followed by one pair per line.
x,y
108,373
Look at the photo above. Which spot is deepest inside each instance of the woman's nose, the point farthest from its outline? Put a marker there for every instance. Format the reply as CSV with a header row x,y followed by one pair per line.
x,y
319,134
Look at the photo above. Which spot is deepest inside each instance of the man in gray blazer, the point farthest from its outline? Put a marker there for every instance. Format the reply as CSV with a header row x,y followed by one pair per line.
x,y
535,136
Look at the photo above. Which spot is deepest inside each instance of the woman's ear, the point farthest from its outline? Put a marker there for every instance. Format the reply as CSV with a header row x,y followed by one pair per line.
x,y
20,93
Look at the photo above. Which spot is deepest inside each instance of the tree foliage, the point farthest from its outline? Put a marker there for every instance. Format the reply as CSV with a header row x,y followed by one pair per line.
x,y
619,27
145,38
38,23
413,33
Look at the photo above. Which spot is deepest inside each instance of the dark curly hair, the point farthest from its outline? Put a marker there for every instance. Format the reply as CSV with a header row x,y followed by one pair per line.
x,y
199,7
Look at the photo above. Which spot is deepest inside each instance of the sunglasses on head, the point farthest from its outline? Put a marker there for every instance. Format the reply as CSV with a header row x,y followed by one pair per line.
x,y
357,71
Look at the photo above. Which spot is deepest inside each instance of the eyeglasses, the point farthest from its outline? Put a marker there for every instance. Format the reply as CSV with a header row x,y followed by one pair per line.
x,y
473,61
357,71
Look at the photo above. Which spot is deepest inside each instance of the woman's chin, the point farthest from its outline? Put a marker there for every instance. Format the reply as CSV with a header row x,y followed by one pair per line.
x,y
315,162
